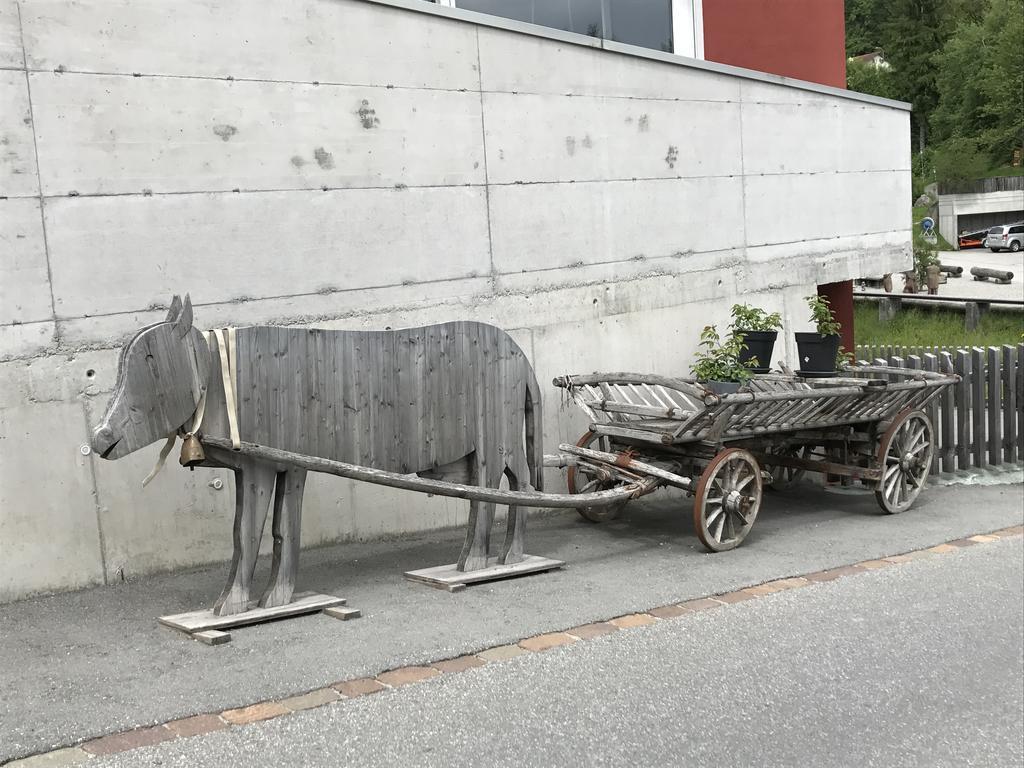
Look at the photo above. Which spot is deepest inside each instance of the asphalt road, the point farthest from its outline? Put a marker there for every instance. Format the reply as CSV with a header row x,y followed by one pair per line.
x,y
917,665
80,665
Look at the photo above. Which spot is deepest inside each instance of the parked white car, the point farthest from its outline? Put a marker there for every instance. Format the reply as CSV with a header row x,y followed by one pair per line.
x,y
1008,236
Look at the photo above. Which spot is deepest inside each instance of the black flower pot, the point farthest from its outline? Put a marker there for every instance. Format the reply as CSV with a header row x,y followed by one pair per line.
x,y
722,387
817,353
760,344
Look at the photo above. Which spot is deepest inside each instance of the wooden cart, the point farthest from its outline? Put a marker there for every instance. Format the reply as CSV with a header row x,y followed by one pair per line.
x,y
866,427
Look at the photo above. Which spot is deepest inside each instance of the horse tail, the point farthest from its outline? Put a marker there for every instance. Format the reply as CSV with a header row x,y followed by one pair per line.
x,y
534,432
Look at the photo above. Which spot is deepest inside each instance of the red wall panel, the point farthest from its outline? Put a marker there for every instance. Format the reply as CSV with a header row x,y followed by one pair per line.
x,y
805,39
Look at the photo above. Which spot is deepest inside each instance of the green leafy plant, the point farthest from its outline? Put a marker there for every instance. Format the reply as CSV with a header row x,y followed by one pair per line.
x,y
844,359
719,359
924,256
748,318
821,315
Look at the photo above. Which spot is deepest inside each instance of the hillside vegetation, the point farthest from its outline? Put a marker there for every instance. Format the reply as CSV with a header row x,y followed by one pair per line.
x,y
960,63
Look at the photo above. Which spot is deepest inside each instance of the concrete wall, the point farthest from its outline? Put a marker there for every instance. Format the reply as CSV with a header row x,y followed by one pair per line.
x,y
359,165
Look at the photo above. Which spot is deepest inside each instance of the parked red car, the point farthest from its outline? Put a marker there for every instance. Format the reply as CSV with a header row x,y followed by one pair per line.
x,y
972,239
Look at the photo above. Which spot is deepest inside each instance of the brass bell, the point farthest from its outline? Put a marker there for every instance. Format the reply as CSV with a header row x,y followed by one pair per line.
x,y
191,452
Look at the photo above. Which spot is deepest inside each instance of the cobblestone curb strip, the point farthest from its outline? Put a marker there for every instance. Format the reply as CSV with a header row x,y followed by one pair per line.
x,y
337,693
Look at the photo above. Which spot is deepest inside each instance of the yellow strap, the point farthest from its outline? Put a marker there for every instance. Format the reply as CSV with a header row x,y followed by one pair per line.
x,y
164,453
228,372
200,412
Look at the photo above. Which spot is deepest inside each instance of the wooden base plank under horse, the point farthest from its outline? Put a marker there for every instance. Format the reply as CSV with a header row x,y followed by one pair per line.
x,y
453,402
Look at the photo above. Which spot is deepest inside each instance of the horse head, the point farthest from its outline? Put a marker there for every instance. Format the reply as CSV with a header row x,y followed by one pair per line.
x,y
161,375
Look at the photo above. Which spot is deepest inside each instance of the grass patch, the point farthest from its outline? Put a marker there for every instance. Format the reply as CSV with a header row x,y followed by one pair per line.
x,y
1006,170
921,327
918,212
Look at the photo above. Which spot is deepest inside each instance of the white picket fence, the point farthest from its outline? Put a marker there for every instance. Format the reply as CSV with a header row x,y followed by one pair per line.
x,y
979,421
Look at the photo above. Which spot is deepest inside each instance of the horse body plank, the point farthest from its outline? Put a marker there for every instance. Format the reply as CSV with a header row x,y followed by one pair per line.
x,y
404,401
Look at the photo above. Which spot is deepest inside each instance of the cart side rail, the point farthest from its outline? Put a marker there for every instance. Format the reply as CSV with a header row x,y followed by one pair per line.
x,y
625,398
686,385
879,396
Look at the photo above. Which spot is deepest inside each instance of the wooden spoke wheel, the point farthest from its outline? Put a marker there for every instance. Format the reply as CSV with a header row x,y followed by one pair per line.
x,y
727,499
905,458
784,478
580,480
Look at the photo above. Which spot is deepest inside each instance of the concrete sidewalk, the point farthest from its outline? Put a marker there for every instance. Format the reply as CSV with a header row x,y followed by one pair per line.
x,y
967,286
89,663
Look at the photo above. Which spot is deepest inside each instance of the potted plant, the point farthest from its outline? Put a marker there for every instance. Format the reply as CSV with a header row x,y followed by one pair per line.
x,y
718,366
819,350
757,330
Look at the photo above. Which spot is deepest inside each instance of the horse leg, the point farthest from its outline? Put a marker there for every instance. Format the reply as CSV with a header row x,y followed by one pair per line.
x,y
515,525
481,517
286,527
254,486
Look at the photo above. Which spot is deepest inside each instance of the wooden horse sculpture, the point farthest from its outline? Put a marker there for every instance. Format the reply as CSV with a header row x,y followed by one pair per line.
x,y
451,401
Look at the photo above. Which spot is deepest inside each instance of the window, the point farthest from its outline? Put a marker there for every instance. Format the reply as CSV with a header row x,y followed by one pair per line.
x,y
647,23
582,16
641,22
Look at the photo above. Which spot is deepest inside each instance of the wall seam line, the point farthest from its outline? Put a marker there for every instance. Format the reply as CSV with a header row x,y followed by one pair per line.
x,y
467,185
464,278
101,539
300,320
743,195
483,138
391,86
384,286
39,177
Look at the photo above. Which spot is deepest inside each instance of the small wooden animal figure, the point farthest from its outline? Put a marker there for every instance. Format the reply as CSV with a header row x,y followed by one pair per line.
x,y
457,401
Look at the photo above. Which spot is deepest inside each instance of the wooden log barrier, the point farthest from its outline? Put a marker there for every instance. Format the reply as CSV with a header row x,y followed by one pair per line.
x,y
1001,276
951,270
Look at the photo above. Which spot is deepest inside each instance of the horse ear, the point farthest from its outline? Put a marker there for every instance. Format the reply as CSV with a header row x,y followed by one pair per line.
x,y
174,310
183,323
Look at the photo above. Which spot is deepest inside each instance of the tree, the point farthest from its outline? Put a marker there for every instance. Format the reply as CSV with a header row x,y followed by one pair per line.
x,y
958,112
864,21
865,77
979,117
1001,80
960,63
959,159
910,32
913,32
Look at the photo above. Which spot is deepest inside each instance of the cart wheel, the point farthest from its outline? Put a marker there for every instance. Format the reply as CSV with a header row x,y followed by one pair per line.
x,y
905,457
784,478
727,499
581,482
